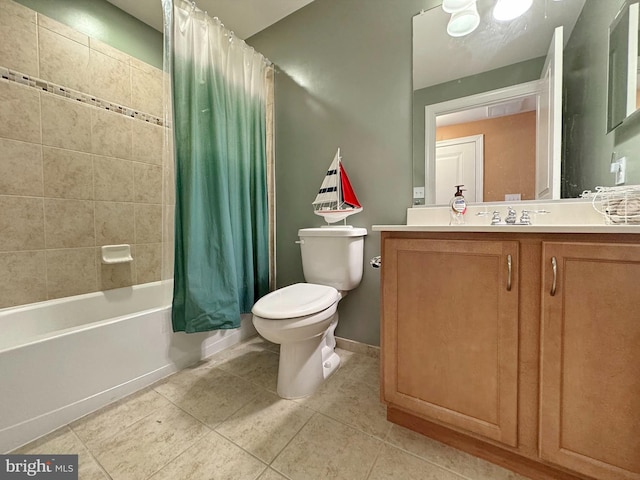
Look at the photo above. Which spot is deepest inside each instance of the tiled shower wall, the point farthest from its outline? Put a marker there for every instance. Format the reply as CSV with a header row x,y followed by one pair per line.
x,y
80,172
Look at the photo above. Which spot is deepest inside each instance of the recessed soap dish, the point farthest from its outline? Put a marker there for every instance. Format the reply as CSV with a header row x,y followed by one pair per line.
x,y
116,254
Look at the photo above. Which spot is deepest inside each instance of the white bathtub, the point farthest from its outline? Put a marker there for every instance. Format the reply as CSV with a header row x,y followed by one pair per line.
x,y
62,359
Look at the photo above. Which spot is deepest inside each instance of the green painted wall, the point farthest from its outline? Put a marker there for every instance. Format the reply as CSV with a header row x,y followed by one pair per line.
x,y
343,80
105,22
587,148
484,82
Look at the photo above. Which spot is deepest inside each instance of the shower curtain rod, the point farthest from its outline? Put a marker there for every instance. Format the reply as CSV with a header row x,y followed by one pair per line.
x,y
232,36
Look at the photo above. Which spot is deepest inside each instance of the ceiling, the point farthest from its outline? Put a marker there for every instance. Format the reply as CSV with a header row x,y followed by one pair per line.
x,y
493,45
243,17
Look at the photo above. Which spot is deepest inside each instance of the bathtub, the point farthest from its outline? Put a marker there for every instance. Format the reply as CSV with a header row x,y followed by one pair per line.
x,y
62,359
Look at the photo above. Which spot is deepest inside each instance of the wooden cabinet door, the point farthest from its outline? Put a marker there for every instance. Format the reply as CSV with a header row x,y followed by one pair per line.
x,y
450,333
590,364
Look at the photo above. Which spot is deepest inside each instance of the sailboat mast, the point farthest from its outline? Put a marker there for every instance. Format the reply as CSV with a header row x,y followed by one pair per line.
x,y
339,173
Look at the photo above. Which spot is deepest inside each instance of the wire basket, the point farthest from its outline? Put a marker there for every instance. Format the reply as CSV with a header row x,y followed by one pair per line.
x,y
618,205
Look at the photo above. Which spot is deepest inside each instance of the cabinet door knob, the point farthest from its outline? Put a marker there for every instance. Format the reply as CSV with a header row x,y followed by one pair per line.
x,y
509,268
554,268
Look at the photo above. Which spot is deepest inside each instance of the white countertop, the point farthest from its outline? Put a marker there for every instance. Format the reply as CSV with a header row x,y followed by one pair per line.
x,y
510,228
566,216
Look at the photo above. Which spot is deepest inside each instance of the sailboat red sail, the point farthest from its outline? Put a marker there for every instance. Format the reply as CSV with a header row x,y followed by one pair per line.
x,y
336,199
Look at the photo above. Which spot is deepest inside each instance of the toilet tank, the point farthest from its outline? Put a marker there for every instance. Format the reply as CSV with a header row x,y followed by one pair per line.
x,y
333,256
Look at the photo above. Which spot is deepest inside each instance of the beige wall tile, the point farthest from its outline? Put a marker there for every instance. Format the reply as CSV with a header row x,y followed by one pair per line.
x,y
113,179
146,91
20,168
71,272
169,212
148,262
10,8
148,141
63,61
116,275
147,180
111,134
69,223
67,174
114,223
102,47
62,29
19,112
144,66
66,123
19,46
109,79
22,278
148,223
21,223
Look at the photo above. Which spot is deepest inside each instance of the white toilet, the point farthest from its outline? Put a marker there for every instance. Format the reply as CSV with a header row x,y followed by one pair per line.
x,y
302,317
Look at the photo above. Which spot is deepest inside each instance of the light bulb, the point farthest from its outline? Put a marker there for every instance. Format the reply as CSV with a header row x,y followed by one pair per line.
x,y
506,10
453,6
464,22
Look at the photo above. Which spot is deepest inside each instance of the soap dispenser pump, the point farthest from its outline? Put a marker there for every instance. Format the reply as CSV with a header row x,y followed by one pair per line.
x,y
458,207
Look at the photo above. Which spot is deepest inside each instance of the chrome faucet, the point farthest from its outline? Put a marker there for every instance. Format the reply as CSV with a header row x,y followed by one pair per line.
x,y
511,216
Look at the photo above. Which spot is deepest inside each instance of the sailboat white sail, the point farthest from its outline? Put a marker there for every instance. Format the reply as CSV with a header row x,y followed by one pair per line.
x,y
336,199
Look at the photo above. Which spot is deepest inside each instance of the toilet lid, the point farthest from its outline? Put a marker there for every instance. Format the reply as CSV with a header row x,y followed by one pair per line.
x,y
296,300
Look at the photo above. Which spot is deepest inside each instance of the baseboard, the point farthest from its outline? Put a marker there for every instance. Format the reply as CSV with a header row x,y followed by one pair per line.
x,y
504,458
358,347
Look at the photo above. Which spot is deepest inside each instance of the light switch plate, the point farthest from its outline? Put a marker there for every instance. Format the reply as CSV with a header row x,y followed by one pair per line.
x,y
621,171
510,197
418,192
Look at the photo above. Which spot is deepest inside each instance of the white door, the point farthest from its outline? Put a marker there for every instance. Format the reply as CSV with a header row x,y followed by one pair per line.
x,y
459,161
549,148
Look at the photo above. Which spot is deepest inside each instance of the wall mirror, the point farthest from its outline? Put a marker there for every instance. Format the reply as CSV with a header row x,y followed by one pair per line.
x,y
623,66
488,66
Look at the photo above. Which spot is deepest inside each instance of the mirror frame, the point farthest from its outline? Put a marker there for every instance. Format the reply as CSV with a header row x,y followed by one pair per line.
x,y
621,97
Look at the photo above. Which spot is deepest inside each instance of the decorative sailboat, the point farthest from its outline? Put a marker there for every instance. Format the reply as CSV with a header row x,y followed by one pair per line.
x,y
336,199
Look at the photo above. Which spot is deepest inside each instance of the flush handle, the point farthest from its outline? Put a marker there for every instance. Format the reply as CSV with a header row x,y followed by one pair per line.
x,y
554,268
299,242
509,270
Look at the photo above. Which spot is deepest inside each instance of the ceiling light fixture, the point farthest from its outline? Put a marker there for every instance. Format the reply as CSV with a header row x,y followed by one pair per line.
x,y
464,22
453,6
506,10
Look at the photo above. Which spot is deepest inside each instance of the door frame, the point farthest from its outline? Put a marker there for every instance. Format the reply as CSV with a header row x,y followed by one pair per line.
x,y
478,141
484,99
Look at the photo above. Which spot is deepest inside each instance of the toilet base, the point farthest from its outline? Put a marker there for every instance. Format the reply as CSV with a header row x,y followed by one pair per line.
x,y
305,365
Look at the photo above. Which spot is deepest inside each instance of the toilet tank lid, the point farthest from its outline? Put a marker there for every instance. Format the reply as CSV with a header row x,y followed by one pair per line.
x,y
297,300
342,231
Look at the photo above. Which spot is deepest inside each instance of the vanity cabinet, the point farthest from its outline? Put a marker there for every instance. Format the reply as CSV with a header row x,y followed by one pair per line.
x,y
451,308
523,349
590,358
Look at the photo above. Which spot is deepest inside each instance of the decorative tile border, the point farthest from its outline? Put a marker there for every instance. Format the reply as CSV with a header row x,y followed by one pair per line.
x,y
46,86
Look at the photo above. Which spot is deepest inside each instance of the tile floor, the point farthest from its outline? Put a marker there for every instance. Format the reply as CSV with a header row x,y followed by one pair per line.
x,y
221,419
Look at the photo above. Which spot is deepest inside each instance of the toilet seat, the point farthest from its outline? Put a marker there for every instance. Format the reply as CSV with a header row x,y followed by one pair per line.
x,y
297,300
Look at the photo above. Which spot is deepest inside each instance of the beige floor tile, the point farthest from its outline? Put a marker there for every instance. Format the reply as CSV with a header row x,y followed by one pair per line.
x,y
212,458
450,458
271,475
266,425
327,449
255,365
148,445
96,428
353,402
209,394
64,442
393,463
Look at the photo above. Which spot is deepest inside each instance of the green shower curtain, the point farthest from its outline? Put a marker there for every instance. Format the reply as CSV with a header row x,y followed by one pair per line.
x,y
221,221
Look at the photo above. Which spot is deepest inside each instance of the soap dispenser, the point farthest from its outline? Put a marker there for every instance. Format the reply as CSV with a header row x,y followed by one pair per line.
x,y
458,207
